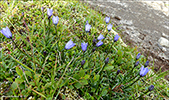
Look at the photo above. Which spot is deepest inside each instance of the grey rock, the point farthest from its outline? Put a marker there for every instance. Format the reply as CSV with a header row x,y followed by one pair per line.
x,y
163,42
164,35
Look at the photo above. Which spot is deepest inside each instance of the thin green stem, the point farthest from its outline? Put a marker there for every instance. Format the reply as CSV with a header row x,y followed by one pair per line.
x,y
133,82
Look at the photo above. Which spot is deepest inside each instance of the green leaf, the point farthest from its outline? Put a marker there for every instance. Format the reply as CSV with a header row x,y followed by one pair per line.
x,y
48,85
86,64
104,92
81,73
19,71
77,85
84,82
86,76
76,76
28,73
71,87
96,78
109,68
14,85
18,80
23,92
9,79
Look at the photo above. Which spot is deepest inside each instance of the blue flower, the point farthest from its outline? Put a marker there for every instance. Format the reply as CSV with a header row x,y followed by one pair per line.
x,y
136,64
151,87
55,20
83,62
100,37
49,12
109,27
118,71
6,32
116,37
69,44
107,60
87,27
99,43
146,64
138,56
84,46
143,71
107,19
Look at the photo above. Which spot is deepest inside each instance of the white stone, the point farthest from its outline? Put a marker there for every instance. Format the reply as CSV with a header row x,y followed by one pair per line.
x,y
164,35
163,42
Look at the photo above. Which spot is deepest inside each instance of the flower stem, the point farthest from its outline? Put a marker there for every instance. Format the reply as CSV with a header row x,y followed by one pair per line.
x,y
133,82
20,49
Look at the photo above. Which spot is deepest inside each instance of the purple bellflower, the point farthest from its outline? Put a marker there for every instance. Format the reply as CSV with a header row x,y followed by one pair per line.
x,y
109,27
6,32
87,27
107,60
107,19
146,64
151,87
138,56
116,37
118,71
84,46
100,37
99,43
69,44
136,64
143,71
49,12
55,20
83,62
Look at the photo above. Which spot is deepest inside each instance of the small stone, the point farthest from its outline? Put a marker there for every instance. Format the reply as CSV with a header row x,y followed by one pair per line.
x,y
164,35
117,17
163,42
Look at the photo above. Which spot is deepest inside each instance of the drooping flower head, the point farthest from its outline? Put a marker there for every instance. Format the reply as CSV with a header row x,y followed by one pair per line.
x,y
84,46
87,27
116,37
151,87
69,44
55,20
146,64
100,37
107,19
49,12
118,71
94,41
6,32
99,43
109,27
136,64
83,62
107,60
143,71
138,56
42,9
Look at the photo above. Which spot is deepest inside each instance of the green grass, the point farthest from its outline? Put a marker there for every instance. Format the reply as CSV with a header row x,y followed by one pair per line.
x,y
50,75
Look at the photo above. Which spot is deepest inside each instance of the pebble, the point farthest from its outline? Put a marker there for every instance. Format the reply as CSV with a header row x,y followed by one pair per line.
x,y
163,42
164,35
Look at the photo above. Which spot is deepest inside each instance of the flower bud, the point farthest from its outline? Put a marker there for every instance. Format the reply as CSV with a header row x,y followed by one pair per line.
x,y
118,71
136,64
146,64
83,62
107,60
94,41
138,56
94,49
151,88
